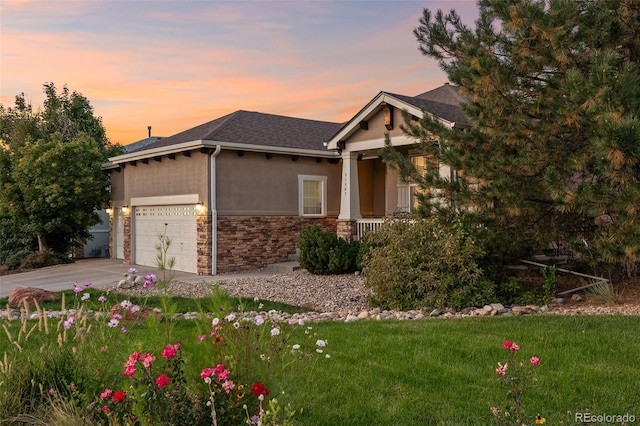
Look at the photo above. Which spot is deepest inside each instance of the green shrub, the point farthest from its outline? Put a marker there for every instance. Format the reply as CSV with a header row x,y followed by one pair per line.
x,y
426,263
38,259
324,253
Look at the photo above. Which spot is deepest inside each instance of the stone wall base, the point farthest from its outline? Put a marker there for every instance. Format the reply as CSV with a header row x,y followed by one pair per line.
x,y
347,229
253,242
204,245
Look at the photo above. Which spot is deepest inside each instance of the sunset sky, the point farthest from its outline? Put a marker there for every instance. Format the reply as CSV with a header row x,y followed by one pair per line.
x,y
175,64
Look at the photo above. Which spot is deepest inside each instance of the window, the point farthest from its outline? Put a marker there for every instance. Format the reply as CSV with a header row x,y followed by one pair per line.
x,y
312,193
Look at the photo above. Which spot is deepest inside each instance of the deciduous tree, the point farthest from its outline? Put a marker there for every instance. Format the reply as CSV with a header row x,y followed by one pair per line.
x,y
51,182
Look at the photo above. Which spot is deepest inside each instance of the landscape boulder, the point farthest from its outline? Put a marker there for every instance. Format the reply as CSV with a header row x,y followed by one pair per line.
x,y
30,295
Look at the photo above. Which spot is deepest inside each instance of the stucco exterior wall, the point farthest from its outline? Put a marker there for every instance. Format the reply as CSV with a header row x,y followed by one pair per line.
x,y
183,175
377,129
253,184
117,187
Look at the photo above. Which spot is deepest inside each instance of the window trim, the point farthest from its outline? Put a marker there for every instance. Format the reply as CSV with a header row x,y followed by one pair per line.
x,y
323,196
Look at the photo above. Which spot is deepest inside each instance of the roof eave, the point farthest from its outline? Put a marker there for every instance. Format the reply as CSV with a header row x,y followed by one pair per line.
x,y
197,144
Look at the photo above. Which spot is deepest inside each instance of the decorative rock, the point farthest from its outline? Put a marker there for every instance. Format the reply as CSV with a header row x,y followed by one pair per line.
x,y
351,318
436,312
558,301
30,295
497,307
363,315
577,298
522,310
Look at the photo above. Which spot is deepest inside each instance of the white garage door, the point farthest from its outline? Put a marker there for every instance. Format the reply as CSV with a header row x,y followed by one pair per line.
x,y
180,224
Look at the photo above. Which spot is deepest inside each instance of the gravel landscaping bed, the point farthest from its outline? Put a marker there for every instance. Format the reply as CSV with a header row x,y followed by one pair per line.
x,y
346,296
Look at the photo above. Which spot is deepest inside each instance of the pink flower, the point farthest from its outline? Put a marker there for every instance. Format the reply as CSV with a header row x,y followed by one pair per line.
x,y
535,360
223,375
227,386
162,381
170,351
510,345
129,370
201,338
133,358
105,409
106,394
502,369
219,369
207,372
147,359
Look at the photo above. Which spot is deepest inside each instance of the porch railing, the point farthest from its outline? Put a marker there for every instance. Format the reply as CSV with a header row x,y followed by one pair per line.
x,y
366,225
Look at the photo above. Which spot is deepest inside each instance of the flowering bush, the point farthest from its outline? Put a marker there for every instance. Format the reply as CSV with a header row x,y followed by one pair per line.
x,y
515,377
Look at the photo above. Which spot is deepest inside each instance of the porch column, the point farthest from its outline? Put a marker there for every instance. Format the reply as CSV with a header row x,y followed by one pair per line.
x,y
349,197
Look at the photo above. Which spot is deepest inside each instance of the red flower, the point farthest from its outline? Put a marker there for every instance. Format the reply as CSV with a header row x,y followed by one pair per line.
x,y
162,381
258,389
118,396
105,409
506,344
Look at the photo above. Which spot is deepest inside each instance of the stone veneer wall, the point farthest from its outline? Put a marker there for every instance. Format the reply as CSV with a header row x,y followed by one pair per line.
x,y
253,242
112,253
204,244
347,229
127,238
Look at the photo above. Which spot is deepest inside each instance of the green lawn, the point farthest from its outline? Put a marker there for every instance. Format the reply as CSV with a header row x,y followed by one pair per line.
x,y
427,372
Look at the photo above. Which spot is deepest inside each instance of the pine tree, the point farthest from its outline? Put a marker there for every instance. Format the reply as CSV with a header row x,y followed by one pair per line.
x,y
554,98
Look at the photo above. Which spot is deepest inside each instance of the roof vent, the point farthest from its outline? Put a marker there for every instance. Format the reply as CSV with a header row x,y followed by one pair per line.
x,y
149,130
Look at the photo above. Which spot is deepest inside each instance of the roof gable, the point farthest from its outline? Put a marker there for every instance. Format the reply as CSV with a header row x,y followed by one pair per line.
x,y
442,103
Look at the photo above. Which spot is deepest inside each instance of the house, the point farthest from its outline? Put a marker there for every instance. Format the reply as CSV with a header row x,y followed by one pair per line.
x,y
371,190
233,194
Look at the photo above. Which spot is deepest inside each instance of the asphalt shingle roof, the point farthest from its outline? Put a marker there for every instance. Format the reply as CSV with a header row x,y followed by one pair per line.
x,y
443,102
256,128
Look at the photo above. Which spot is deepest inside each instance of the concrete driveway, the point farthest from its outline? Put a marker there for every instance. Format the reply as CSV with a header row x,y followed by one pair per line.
x,y
100,272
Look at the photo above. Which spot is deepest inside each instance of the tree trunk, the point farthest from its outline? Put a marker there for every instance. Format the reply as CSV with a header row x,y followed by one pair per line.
x,y
42,243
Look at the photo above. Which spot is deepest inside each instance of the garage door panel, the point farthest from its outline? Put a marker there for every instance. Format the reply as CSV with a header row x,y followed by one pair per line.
x,y
176,222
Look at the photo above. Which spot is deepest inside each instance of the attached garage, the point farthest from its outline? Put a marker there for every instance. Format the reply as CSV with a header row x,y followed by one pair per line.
x,y
178,222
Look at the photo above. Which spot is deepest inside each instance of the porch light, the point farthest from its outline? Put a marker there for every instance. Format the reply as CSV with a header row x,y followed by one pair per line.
x,y
108,210
199,206
125,209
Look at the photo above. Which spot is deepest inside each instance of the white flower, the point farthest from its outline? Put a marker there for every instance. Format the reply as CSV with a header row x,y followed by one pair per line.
x,y
215,322
275,331
85,296
230,317
296,346
263,357
300,321
135,308
260,306
327,356
125,304
319,351
207,380
321,343
259,320
236,325
256,299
